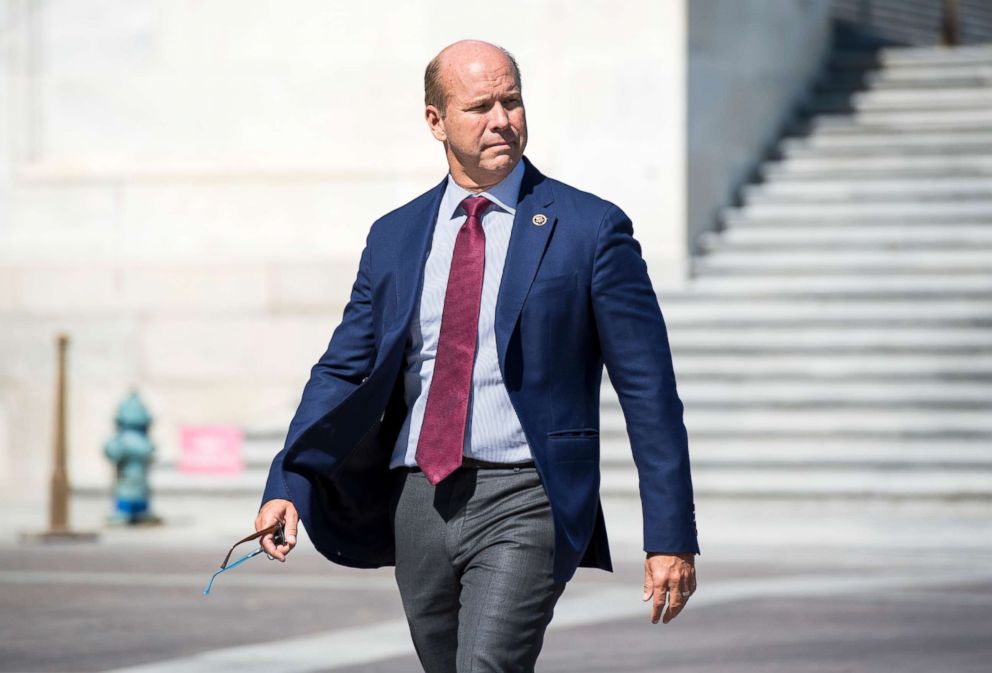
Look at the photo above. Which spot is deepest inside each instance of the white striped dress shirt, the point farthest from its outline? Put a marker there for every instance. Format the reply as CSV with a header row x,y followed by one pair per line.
x,y
492,431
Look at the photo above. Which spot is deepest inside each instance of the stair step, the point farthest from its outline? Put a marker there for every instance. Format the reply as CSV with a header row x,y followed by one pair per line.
x,y
819,484
798,395
800,128
877,166
928,212
907,367
814,453
853,215
901,100
889,236
907,190
730,314
956,143
867,122
914,57
871,422
857,338
779,285
959,258
840,262
903,79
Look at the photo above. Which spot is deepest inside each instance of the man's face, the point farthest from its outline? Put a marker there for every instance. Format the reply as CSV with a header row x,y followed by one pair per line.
x,y
484,127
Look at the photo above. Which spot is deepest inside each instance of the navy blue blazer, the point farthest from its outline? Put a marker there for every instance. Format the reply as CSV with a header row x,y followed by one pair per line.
x,y
575,294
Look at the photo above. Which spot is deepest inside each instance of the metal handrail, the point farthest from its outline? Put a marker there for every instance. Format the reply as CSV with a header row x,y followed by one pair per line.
x,y
950,24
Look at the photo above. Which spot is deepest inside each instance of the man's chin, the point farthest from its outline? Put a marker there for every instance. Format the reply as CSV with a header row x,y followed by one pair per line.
x,y
500,162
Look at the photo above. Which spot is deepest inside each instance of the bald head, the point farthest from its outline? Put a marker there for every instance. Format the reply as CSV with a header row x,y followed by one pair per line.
x,y
475,108
457,59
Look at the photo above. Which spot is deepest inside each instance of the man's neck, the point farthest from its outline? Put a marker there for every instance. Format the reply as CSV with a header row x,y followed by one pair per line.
x,y
505,193
479,184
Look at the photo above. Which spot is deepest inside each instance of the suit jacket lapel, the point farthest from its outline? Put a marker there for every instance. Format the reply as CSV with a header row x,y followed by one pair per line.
x,y
525,252
416,242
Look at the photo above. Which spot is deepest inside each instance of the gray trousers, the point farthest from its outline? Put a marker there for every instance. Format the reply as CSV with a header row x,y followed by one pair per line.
x,y
474,562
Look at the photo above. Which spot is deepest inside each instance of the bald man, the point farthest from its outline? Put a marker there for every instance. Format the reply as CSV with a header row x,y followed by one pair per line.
x,y
451,428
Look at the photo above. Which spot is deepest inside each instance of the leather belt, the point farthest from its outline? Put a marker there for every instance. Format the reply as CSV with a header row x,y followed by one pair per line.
x,y
475,463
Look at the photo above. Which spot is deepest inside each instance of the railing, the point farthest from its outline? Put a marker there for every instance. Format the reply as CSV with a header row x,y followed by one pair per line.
x,y
950,23
918,22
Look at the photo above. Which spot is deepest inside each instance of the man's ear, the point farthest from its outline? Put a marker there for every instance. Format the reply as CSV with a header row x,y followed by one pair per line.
x,y
436,123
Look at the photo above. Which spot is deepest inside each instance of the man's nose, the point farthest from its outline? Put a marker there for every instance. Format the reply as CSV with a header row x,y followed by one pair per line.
x,y
498,119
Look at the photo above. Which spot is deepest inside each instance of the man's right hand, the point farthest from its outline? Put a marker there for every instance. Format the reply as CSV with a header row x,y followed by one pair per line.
x,y
278,510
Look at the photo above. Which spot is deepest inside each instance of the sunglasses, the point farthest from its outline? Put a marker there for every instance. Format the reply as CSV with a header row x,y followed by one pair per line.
x,y
278,538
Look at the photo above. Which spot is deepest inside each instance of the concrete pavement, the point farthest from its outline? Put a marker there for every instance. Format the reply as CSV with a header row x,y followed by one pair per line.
x,y
783,586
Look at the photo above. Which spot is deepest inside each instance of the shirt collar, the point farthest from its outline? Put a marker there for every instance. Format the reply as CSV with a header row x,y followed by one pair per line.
x,y
504,194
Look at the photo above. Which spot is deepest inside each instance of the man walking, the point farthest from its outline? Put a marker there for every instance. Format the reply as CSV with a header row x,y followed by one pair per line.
x,y
452,426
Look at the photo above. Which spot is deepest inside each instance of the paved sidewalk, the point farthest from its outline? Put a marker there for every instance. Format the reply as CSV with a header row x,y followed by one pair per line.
x,y
127,609
782,587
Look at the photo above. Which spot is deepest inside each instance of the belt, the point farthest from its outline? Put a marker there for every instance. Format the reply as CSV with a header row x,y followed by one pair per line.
x,y
475,463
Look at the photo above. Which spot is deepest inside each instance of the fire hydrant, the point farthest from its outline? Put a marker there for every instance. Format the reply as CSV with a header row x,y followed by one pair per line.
x,y
131,452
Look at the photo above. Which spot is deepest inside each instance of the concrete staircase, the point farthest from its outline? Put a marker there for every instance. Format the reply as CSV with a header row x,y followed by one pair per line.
x,y
836,340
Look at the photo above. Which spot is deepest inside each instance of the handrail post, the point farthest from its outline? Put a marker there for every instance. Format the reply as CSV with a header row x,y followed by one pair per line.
x,y
950,25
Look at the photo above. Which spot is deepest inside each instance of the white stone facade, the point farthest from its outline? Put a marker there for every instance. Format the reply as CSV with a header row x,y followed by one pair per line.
x,y
185,187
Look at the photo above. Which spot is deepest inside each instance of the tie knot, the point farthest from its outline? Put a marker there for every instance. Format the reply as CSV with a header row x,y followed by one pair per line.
x,y
475,205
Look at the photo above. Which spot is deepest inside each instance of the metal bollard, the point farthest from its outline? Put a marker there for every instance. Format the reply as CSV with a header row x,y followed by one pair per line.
x,y
58,504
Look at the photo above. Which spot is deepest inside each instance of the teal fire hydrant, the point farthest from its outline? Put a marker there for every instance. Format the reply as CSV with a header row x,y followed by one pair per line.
x,y
132,452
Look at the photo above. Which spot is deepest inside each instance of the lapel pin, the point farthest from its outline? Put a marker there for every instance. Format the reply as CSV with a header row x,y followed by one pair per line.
x,y
540,219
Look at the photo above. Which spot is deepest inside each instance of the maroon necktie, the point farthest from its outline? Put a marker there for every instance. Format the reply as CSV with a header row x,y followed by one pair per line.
x,y
442,434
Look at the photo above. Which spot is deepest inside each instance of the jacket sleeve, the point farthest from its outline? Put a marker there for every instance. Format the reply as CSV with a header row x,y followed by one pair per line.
x,y
347,360
636,352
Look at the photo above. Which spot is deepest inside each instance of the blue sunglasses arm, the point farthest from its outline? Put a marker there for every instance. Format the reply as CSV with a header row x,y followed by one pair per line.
x,y
206,592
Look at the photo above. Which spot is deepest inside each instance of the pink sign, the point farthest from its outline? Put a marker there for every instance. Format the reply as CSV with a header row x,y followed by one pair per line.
x,y
212,449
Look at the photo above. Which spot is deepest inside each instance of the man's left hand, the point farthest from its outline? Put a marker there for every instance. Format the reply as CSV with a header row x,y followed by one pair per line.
x,y
672,574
